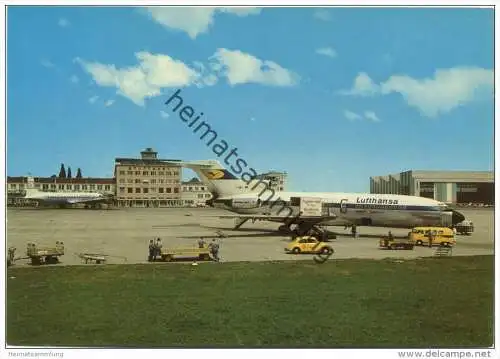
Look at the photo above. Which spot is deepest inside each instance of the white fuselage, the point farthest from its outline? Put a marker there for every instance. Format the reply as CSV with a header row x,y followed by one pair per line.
x,y
255,198
384,210
63,197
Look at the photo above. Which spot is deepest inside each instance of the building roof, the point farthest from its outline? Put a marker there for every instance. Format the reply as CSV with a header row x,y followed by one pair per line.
x,y
193,183
84,180
485,175
444,176
146,161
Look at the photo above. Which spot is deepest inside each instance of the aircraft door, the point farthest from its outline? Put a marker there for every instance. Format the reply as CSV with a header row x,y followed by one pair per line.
x,y
343,206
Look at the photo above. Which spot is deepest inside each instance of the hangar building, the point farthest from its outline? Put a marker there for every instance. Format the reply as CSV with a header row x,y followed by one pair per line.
x,y
446,186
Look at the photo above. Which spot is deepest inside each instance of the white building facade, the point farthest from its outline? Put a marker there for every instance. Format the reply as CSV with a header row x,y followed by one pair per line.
x,y
447,186
277,180
194,193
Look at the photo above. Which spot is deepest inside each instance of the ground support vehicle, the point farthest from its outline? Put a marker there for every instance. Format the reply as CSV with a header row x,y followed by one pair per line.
x,y
186,253
308,245
44,255
393,243
465,227
442,236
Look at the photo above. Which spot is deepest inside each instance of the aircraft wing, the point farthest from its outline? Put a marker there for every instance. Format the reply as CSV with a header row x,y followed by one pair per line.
x,y
266,217
76,200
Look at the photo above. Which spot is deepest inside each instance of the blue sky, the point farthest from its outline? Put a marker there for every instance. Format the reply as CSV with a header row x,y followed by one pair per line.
x,y
332,96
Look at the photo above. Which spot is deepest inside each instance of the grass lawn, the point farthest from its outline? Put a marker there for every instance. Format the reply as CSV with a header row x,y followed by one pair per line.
x,y
431,302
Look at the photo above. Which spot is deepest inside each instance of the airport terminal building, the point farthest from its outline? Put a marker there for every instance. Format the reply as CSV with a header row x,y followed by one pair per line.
x,y
148,181
459,187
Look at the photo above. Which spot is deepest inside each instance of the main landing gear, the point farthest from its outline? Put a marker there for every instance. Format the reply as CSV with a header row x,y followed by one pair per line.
x,y
284,229
301,229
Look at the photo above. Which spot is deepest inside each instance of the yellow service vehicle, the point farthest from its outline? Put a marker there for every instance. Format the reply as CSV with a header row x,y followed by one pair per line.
x,y
442,236
309,245
169,254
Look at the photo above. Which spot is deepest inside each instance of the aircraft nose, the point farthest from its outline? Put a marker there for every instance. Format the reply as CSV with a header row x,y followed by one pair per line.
x,y
457,217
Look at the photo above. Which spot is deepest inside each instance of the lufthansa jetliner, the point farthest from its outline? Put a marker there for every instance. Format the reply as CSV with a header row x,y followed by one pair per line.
x,y
257,201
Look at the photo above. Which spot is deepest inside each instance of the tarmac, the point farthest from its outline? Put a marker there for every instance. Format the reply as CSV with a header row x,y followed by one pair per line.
x,y
124,234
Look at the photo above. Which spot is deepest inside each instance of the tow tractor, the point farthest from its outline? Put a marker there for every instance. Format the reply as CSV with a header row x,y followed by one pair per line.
x,y
396,243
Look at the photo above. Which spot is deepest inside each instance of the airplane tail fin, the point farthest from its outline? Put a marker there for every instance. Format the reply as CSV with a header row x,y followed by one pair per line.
x,y
219,180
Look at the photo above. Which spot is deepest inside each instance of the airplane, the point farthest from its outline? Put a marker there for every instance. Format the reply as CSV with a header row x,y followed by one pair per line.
x,y
260,202
63,199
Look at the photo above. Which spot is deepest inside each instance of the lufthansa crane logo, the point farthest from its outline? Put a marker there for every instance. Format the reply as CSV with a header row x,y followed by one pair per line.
x,y
214,174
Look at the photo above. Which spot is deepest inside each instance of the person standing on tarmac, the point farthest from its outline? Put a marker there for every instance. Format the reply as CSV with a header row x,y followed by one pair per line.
x,y
214,250
431,238
353,231
152,249
158,246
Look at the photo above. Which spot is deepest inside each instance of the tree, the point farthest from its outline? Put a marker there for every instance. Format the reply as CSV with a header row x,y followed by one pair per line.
x,y
69,172
62,172
79,173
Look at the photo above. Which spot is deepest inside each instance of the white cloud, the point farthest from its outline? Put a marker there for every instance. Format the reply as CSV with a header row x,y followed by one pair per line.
x,y
157,71
109,103
363,86
240,68
446,90
351,116
370,115
322,15
93,99
194,20
164,114
47,63
74,79
327,51
154,72
63,22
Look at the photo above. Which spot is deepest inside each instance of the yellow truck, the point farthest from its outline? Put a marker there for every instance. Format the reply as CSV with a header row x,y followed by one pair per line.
x,y
309,245
442,236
